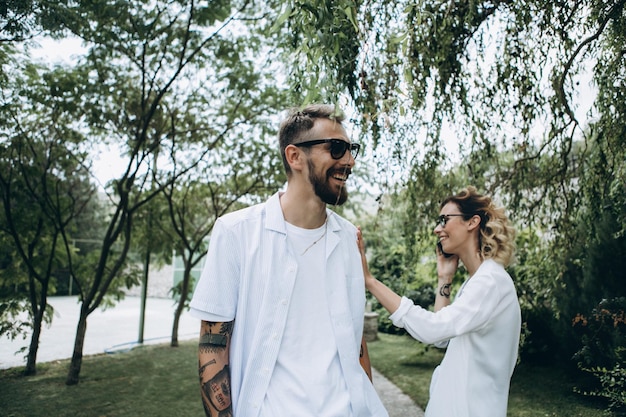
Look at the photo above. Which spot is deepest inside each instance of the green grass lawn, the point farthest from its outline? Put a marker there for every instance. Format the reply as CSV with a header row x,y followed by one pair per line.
x,y
163,381
155,380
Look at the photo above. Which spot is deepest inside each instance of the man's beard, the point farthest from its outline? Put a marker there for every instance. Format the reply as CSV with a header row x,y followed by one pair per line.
x,y
324,191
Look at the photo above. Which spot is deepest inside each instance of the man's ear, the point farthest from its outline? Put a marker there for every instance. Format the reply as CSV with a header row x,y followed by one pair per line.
x,y
294,157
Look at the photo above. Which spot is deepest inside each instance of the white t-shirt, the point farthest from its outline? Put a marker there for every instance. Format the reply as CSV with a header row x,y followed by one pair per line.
x,y
300,386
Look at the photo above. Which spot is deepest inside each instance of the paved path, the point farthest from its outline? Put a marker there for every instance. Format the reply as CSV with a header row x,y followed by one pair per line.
x,y
118,328
397,403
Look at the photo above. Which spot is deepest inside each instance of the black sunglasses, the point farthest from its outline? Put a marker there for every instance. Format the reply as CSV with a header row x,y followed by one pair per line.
x,y
443,219
338,147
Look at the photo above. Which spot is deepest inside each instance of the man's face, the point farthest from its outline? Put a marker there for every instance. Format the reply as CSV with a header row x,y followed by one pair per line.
x,y
325,184
328,176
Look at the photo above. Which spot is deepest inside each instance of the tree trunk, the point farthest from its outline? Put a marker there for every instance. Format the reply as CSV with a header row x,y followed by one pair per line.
x,y
39,313
184,289
31,361
144,295
77,356
177,313
174,341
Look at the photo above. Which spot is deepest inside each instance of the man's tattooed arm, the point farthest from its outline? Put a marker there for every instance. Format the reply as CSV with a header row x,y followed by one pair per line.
x,y
213,368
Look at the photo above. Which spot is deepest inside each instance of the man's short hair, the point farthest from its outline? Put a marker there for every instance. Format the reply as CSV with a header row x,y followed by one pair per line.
x,y
299,122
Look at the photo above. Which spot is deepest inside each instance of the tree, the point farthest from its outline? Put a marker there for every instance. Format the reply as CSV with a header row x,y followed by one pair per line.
x,y
146,84
45,190
235,176
180,219
497,74
17,20
24,20
505,79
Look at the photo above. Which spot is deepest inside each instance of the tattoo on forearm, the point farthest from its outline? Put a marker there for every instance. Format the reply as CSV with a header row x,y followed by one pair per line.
x,y
201,368
444,290
217,390
216,342
224,413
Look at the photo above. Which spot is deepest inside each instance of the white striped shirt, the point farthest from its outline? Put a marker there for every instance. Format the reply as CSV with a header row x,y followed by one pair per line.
x,y
249,277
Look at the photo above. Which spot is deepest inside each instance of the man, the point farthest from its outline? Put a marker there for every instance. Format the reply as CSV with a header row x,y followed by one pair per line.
x,y
282,297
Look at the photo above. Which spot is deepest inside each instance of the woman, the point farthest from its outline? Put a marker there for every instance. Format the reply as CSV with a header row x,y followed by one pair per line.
x,y
481,328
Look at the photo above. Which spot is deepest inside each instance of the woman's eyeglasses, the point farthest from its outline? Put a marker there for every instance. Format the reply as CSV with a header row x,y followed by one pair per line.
x,y
443,219
338,147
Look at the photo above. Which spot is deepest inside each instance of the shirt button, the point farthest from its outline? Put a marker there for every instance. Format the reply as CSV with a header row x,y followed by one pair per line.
x,y
283,302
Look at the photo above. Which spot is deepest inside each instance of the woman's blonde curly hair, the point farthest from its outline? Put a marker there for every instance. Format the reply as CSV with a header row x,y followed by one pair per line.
x,y
497,236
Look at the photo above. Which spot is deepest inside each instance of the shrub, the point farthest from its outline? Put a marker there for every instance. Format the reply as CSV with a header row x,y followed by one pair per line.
x,y
603,351
602,334
612,387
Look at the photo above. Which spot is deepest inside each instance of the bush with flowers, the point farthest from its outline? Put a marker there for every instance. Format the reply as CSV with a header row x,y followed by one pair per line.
x,y
603,351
